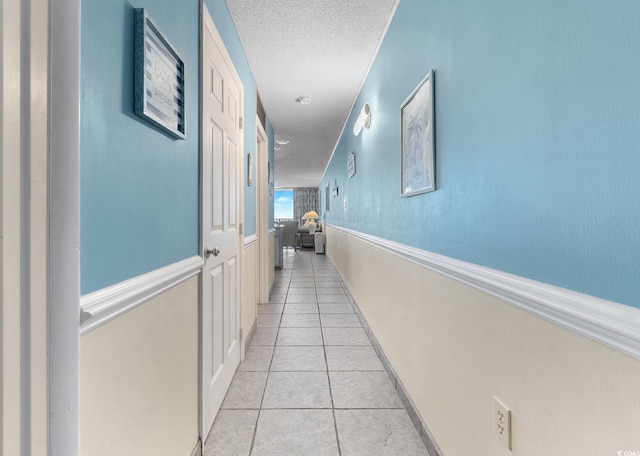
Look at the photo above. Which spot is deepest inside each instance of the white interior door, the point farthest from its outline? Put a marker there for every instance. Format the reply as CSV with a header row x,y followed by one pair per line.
x,y
221,221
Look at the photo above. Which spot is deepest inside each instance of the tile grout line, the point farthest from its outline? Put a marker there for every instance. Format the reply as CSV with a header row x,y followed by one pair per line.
x,y
287,279
290,283
314,408
408,405
264,390
326,361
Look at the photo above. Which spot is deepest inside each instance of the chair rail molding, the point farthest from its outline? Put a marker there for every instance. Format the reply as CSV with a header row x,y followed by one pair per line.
x,y
607,322
104,305
250,240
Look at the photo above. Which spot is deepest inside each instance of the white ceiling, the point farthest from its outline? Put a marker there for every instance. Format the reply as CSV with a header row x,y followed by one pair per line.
x,y
316,48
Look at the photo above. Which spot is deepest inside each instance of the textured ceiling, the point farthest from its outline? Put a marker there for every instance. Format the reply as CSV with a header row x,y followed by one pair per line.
x,y
316,48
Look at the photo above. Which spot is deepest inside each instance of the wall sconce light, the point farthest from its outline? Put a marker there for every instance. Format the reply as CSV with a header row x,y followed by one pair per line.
x,y
363,120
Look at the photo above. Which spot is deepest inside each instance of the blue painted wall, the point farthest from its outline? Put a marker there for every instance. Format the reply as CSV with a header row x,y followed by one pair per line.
x,y
138,187
537,138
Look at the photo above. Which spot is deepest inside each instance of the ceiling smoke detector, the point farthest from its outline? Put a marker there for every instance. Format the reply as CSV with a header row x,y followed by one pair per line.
x,y
282,141
304,100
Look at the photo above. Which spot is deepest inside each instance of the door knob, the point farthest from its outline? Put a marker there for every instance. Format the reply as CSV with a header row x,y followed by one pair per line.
x,y
208,251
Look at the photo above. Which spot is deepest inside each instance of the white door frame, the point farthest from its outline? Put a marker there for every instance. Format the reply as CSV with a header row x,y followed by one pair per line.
x,y
63,307
205,16
262,213
39,218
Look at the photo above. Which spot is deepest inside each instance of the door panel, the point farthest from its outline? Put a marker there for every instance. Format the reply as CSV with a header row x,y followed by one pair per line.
x,y
232,112
221,153
217,292
233,302
216,178
216,85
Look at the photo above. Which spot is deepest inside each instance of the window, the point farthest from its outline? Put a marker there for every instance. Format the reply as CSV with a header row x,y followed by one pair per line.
x,y
283,204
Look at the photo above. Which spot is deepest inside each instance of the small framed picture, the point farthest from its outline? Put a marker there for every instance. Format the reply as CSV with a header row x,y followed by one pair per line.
x,y
249,170
351,165
327,196
270,173
418,141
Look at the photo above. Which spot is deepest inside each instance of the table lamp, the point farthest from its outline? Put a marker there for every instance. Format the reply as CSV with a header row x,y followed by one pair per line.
x,y
310,219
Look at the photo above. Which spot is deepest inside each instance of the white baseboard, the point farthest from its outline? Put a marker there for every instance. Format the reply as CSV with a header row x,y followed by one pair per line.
x,y
249,337
197,450
104,305
610,323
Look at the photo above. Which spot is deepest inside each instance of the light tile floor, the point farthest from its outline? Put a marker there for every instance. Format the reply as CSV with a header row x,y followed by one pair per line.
x,y
311,383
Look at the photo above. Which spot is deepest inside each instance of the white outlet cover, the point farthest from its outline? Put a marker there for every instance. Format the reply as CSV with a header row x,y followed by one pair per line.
x,y
344,202
502,422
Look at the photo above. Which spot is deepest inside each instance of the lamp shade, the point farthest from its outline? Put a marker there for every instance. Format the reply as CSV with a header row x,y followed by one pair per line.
x,y
310,215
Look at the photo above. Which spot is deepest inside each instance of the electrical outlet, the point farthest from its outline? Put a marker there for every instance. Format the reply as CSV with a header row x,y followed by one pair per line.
x,y
502,418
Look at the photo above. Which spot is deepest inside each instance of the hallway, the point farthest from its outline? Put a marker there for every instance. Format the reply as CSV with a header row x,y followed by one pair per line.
x,y
311,383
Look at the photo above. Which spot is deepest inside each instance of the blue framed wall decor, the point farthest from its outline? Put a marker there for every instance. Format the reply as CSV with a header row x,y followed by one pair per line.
x,y
159,78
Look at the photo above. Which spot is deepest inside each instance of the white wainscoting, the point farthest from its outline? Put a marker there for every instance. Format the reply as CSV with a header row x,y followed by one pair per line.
x,y
457,335
610,323
250,240
272,262
139,378
108,303
248,311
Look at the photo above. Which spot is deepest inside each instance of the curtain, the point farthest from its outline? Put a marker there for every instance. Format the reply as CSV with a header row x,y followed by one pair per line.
x,y
305,199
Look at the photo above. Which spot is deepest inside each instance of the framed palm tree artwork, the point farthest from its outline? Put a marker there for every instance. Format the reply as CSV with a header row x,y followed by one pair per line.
x,y
418,141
